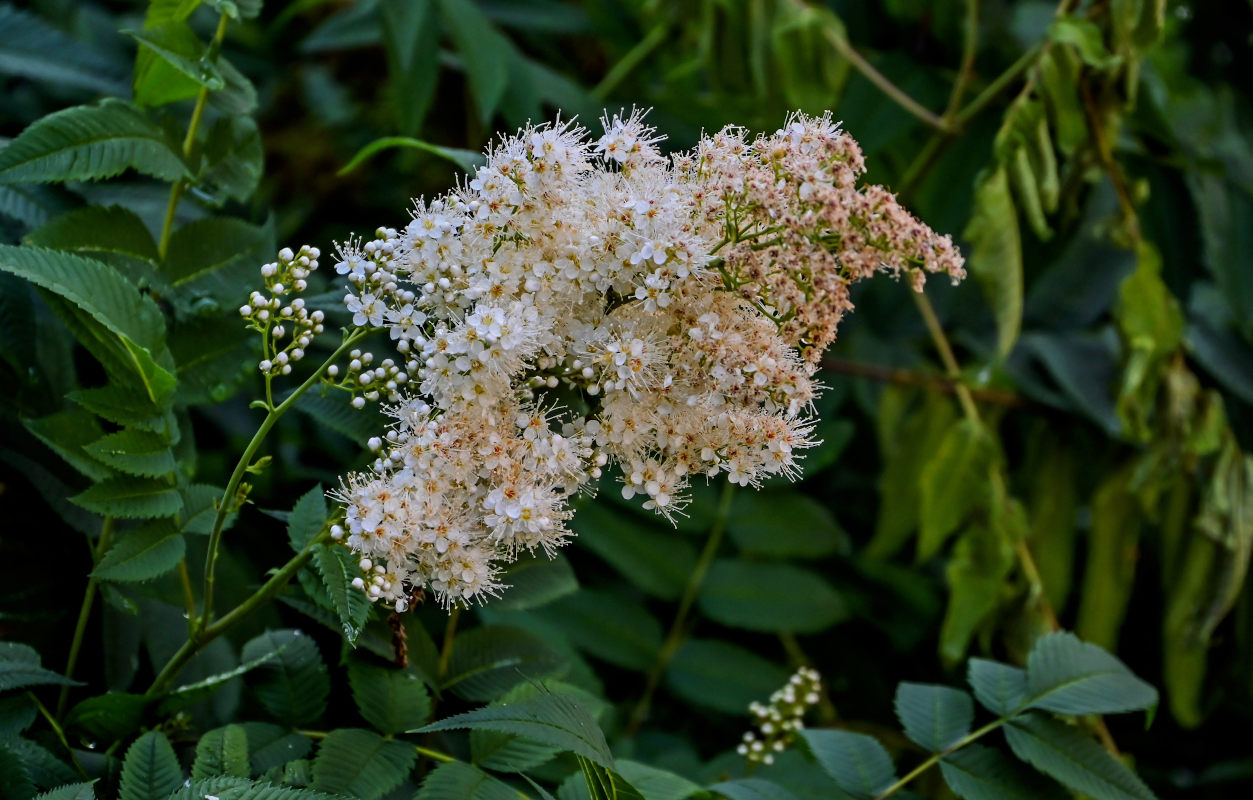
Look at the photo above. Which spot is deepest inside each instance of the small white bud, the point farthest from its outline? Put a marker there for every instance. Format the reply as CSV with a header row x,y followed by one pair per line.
x,y
245,311
374,443
358,402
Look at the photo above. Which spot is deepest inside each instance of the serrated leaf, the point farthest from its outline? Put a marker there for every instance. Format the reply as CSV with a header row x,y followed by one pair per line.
x,y
858,763
222,752
361,763
95,231
506,752
294,685
336,413
1062,752
934,717
177,45
239,97
271,746
31,48
135,452
209,260
656,784
752,789
30,205
125,497
608,626
458,781
1000,688
227,788
995,256
73,791
536,582
307,518
233,160
722,676
1067,676
390,699
553,719
981,773
98,291
67,433
774,598
337,567
954,481
89,143
150,770
14,776
109,717
121,405
487,661
19,668
784,524
650,559
141,554
200,508
44,768
17,712
606,784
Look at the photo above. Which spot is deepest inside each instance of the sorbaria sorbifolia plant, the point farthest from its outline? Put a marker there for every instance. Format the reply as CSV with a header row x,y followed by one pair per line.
x,y
577,304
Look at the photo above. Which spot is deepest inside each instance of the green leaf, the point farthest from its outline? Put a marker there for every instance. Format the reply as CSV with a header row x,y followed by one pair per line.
x,y
609,626
392,700
552,719
858,763
31,48
17,712
89,143
211,260
237,9
239,97
656,562
1110,567
934,717
19,668
229,788
135,452
656,784
981,773
176,45
146,552
466,160
271,746
42,767
487,55
751,789
995,255
30,205
361,763
459,781
14,776
222,751
338,567
307,519
1000,688
336,413
67,433
73,791
536,582
953,483
606,784
1062,752
784,524
131,498
102,294
506,752
981,562
722,676
1067,676
121,405
774,598
200,507
1087,39
293,686
487,661
411,43
98,232
110,717
151,770
234,160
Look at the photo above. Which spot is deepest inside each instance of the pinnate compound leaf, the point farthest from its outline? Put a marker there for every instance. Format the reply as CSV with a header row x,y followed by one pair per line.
x,y
459,781
307,518
976,772
151,770
141,554
1067,676
1000,688
293,685
73,791
858,763
337,568
19,668
125,497
222,752
361,763
773,598
552,719
101,293
89,143
135,452
1073,758
229,788
393,700
934,717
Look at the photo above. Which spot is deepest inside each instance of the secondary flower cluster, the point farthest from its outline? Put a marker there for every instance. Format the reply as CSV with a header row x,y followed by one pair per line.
x,y
575,304
283,279
778,721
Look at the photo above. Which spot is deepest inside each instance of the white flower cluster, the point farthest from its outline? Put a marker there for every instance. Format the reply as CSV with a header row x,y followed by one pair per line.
x,y
779,721
576,304
283,279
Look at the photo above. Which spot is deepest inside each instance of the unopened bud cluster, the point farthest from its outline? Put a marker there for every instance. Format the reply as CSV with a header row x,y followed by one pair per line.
x,y
778,721
579,304
286,325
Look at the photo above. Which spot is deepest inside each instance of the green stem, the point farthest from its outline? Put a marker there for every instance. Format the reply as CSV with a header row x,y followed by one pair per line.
x,y
189,141
677,634
450,633
970,42
207,634
946,356
84,612
631,60
935,757
59,732
232,487
434,755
